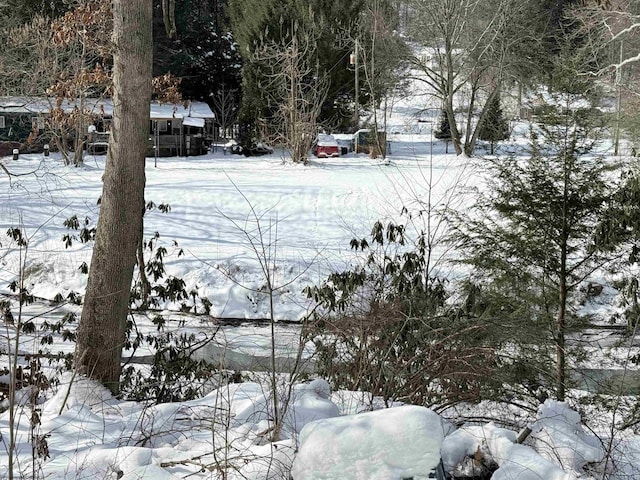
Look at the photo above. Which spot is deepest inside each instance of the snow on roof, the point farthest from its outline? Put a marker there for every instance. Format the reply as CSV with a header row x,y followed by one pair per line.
x,y
43,105
200,110
326,141
167,111
103,106
193,122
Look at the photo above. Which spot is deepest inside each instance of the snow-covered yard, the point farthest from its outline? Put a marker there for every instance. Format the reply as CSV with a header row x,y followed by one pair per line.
x,y
307,215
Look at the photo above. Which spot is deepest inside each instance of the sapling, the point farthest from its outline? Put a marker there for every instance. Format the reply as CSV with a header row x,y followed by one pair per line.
x,y
16,326
262,240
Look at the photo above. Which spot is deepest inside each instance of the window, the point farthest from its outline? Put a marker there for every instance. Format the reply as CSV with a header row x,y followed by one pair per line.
x,y
38,122
2,124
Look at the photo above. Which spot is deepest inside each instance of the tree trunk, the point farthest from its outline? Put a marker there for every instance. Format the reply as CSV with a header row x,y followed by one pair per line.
x,y
448,100
101,332
169,18
144,281
560,343
561,373
455,133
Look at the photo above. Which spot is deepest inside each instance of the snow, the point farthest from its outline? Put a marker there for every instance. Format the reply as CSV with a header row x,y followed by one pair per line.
x,y
90,434
387,444
496,445
311,213
77,391
327,141
193,122
558,448
103,106
559,436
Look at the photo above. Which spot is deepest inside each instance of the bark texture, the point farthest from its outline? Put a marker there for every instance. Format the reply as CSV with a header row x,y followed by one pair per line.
x,y
101,333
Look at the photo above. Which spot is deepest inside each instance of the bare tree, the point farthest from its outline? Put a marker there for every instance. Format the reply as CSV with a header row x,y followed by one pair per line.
x,y
29,60
381,55
612,38
225,106
63,60
467,49
101,332
82,38
613,30
296,89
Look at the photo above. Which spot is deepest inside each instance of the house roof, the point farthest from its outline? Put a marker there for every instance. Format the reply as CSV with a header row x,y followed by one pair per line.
x,y
36,105
103,106
193,122
167,111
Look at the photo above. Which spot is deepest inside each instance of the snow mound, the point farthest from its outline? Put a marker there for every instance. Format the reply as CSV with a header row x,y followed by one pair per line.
x,y
77,390
560,450
523,463
497,445
466,442
108,463
559,437
271,462
253,403
389,444
310,403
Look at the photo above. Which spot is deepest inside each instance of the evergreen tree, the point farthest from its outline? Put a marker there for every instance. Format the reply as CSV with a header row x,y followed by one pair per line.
x,y
529,242
619,233
260,22
203,54
551,27
444,129
494,126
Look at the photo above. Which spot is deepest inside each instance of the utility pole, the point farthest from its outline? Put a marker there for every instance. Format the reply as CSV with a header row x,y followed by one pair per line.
x,y
616,142
354,62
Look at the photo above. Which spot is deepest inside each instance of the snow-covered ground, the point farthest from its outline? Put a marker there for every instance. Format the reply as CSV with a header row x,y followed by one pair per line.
x,y
307,216
86,433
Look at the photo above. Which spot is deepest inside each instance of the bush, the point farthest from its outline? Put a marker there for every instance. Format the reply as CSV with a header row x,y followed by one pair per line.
x,y
390,328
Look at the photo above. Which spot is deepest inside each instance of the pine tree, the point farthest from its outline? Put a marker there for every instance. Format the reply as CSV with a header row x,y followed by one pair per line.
x,y
529,242
260,22
203,53
444,129
494,126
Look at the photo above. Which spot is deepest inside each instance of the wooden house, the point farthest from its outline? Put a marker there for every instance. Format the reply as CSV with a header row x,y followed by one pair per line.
x,y
178,130
181,130
19,117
